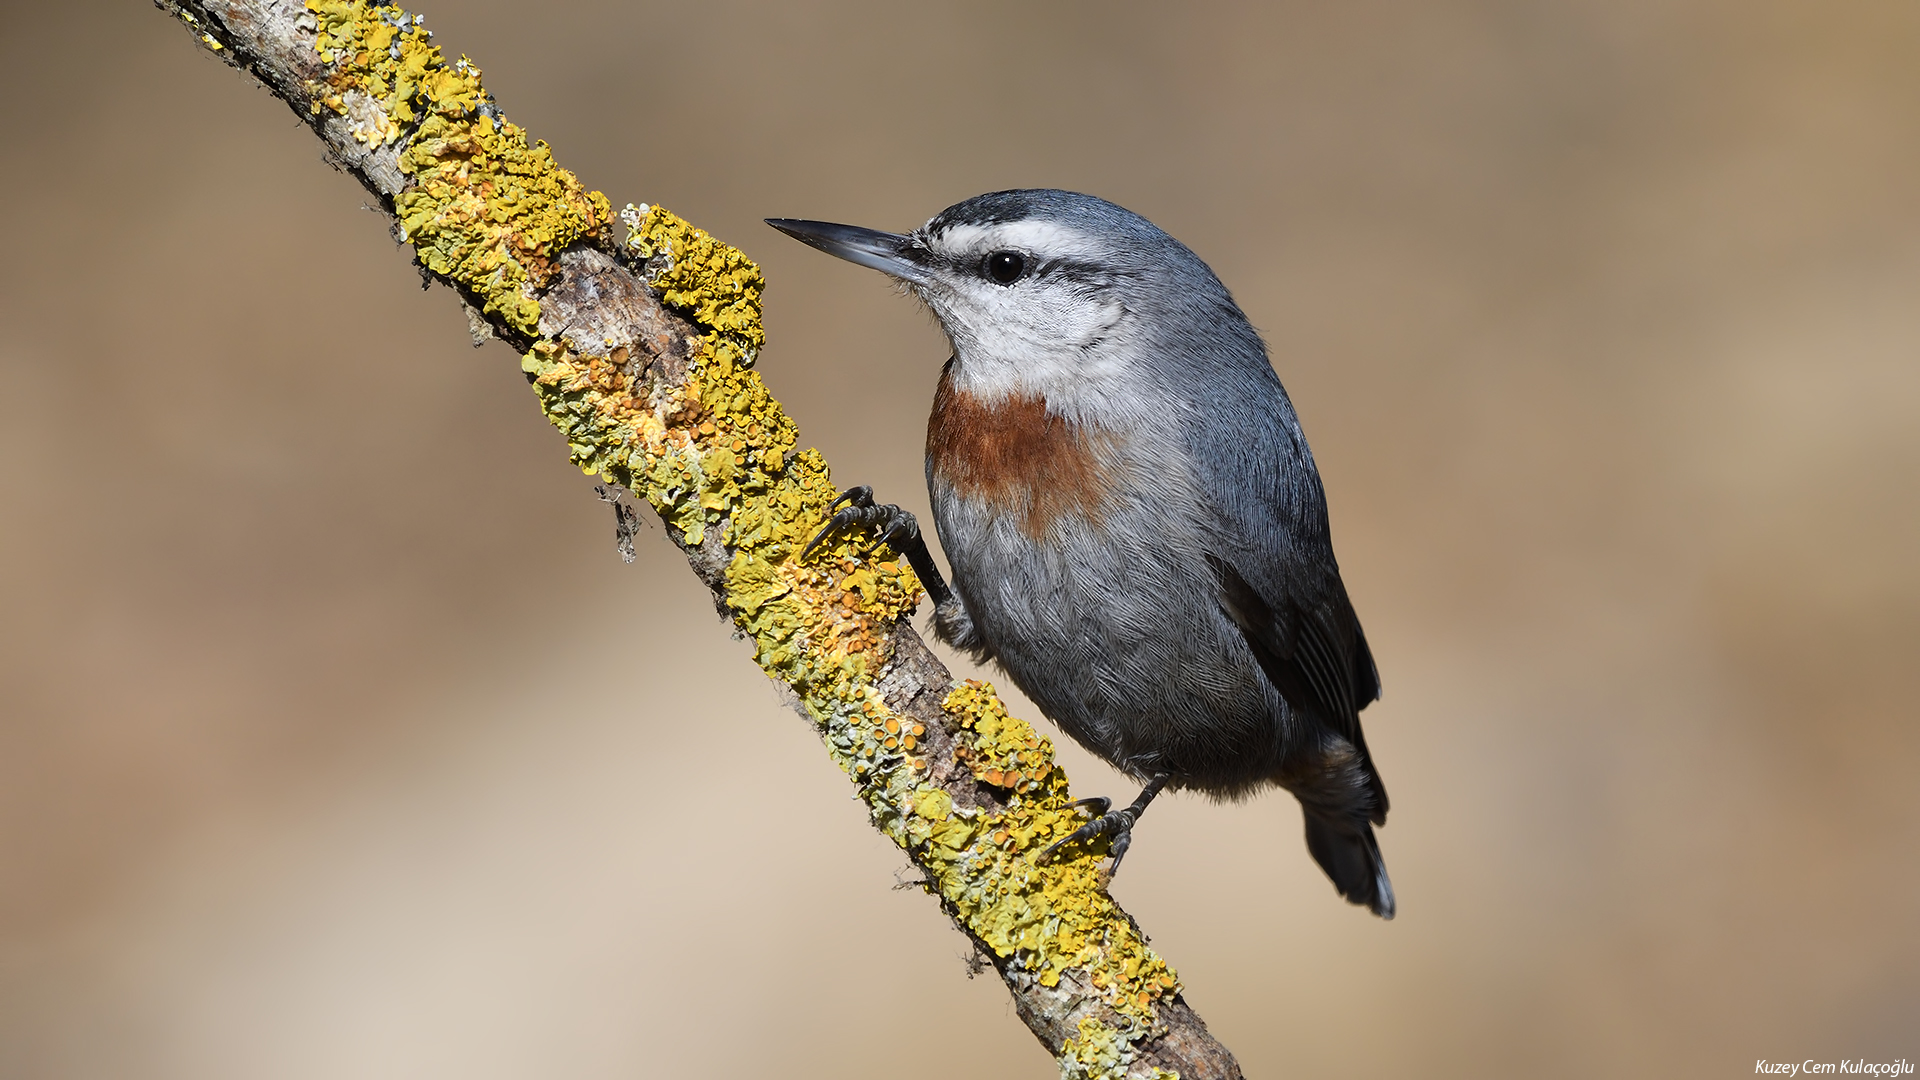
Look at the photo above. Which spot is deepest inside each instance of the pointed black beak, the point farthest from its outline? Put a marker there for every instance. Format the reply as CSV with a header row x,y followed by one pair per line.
x,y
889,253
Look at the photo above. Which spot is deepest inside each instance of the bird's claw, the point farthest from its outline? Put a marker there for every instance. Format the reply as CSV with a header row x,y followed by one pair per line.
x,y
893,526
859,495
1117,824
855,499
1099,804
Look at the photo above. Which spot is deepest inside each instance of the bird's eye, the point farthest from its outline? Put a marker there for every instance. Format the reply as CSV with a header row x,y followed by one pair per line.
x,y
1005,267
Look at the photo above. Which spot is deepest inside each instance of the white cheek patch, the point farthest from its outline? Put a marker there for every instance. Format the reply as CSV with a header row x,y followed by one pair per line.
x,y
1041,336
1040,319
1072,356
1036,325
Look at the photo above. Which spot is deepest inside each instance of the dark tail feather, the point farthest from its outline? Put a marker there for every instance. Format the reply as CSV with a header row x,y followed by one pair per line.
x,y
1351,857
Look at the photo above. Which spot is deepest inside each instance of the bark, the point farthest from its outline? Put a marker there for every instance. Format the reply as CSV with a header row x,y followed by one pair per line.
x,y
640,351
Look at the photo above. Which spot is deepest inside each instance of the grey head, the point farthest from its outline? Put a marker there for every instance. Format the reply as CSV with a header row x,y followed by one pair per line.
x,y
1060,296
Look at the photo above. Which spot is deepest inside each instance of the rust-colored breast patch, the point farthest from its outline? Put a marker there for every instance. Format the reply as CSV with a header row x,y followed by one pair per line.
x,y
1017,458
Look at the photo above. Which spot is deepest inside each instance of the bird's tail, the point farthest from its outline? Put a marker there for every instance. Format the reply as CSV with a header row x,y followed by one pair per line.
x,y
1345,848
1342,799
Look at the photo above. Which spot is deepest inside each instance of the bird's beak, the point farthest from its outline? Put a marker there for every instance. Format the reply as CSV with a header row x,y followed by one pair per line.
x,y
889,253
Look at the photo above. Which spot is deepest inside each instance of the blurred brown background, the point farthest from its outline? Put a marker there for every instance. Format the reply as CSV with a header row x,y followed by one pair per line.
x,y
338,742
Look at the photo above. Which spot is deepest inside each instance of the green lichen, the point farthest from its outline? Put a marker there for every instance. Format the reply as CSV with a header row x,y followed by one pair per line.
x,y
716,456
1100,1051
484,207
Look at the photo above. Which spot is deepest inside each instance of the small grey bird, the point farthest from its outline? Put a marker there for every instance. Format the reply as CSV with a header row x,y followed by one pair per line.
x,y
1134,523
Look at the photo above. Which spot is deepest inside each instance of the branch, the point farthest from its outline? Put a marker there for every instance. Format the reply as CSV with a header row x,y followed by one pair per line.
x,y
640,351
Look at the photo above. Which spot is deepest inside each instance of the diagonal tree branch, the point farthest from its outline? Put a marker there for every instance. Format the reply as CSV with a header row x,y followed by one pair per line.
x,y
640,351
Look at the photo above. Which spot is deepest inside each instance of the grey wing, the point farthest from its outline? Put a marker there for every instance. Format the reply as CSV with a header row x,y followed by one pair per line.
x,y
1317,657
1274,563
1315,654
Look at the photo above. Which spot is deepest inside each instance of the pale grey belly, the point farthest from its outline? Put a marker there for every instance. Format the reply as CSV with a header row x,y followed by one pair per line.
x,y
1116,633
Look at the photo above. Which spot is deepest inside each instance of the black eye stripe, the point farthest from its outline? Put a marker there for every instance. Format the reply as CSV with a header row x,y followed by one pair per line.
x,y
1005,267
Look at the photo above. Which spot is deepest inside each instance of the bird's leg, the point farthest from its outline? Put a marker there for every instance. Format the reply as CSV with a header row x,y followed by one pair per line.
x,y
1117,824
893,527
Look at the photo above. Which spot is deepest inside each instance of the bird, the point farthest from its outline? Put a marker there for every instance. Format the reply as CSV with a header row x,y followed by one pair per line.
x,y
1135,527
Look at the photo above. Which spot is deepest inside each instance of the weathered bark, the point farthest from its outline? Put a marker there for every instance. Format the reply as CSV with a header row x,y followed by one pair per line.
x,y
639,351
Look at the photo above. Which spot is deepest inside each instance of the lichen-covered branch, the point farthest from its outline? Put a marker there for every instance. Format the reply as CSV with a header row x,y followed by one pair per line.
x,y
640,349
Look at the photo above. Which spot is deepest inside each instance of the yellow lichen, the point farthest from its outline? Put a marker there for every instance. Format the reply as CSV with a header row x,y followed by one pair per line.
x,y
1003,751
1044,919
485,207
713,282
1099,1051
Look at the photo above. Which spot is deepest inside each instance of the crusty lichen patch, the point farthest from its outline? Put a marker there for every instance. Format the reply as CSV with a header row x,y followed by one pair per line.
x,y
1044,920
1101,1051
714,283
486,207
718,458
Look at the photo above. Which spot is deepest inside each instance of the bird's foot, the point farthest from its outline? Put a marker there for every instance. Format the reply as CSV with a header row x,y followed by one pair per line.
x,y
892,527
1117,825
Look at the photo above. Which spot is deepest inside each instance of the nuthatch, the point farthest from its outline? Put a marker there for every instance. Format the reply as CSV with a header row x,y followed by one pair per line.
x,y
1134,523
